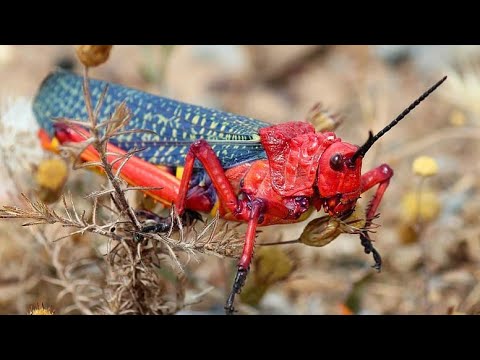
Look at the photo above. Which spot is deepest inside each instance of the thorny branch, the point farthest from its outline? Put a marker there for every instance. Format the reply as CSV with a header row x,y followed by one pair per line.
x,y
100,144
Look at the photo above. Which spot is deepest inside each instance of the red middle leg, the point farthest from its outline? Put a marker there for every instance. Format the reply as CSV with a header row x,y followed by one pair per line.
x,y
248,210
247,254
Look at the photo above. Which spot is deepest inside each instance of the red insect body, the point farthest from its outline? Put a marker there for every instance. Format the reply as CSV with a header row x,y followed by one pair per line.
x,y
335,186
297,175
304,170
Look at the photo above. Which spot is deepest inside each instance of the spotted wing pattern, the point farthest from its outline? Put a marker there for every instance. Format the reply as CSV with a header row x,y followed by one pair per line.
x,y
176,125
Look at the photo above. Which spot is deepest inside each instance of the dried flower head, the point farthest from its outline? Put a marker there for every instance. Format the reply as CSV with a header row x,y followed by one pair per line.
x,y
41,310
93,55
322,119
323,230
425,166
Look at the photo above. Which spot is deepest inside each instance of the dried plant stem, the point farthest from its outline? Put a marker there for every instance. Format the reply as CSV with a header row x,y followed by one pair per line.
x,y
142,276
101,145
70,286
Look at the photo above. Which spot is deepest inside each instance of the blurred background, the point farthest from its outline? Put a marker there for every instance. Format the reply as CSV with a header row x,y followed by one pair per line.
x,y
429,228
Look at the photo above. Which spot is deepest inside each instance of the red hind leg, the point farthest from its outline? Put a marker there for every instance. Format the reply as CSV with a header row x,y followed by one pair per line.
x,y
202,151
379,176
136,171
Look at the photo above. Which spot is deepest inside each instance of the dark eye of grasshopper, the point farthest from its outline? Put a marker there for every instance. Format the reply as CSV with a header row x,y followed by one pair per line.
x,y
336,162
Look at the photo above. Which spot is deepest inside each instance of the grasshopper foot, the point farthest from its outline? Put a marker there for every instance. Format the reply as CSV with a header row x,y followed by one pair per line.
x,y
163,224
237,287
368,247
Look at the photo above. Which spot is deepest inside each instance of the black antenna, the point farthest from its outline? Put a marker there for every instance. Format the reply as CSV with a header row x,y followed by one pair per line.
x,y
371,139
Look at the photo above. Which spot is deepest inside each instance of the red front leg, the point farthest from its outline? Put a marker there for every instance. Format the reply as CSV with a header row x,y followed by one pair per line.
x,y
379,176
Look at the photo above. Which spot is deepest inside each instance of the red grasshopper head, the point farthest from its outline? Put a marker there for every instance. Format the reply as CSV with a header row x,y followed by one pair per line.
x,y
339,177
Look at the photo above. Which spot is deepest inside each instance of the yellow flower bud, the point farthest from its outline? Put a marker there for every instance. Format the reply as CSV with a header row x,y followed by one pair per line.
x,y
425,166
51,173
93,55
428,208
457,118
50,176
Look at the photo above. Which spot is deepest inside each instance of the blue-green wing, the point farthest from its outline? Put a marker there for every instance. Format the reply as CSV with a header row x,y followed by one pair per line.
x,y
176,125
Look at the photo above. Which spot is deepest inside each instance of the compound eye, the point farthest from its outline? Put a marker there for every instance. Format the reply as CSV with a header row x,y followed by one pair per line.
x,y
336,162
